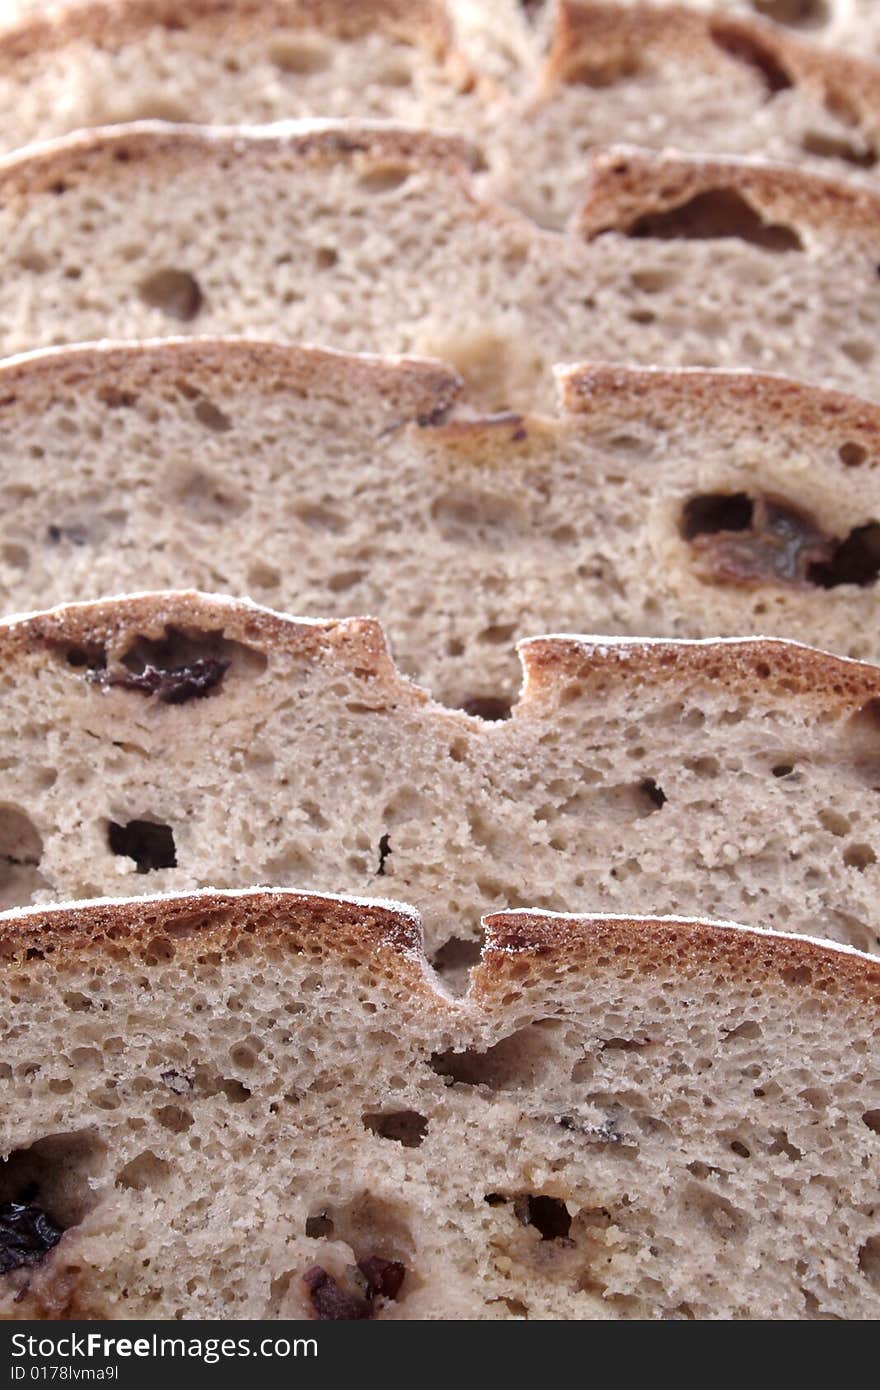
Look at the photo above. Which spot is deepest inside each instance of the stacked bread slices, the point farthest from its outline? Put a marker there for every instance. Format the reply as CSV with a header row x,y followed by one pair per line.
x,y
440,544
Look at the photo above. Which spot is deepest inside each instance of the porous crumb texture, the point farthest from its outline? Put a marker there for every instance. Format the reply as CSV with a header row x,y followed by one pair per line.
x,y
641,508
173,742
374,240
226,1103
537,88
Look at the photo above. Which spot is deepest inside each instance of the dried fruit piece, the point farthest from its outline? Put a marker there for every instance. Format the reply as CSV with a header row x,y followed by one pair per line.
x,y
330,1302
384,1277
174,686
27,1235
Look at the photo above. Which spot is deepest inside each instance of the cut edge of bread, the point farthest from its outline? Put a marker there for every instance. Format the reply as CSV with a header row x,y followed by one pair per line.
x,y
423,388
625,183
44,167
387,932
428,392
609,39
552,665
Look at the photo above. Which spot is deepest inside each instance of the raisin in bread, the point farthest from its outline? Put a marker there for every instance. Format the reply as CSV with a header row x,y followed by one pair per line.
x,y
659,76
623,1119
670,504
373,239
166,742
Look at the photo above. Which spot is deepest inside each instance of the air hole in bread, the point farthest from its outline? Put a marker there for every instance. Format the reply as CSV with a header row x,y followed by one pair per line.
x,y
384,178
405,1127
587,71
58,1175
146,1173
745,47
319,1225
872,1119
724,1220
455,960
21,849
796,14
530,1054
654,793
717,214
326,258
713,512
869,1260
549,1215
855,560
300,56
852,455
175,293
148,843
782,769
174,1118
319,517
860,857
384,852
824,146
212,417
461,514
489,707
208,501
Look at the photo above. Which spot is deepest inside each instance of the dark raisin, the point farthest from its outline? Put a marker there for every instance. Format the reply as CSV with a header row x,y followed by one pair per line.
x,y
384,1277
332,1303
174,686
27,1235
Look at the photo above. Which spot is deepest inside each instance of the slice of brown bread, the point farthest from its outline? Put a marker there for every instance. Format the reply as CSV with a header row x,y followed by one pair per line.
x,y
669,504
167,742
653,75
261,1105
373,239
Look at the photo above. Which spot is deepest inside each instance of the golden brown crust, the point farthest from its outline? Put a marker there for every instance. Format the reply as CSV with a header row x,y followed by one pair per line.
x,y
58,164
303,922
609,40
108,25
605,395
625,184
522,947
418,388
755,667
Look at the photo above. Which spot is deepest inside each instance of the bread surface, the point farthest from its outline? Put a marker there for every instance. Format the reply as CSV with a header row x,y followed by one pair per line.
x,y
170,742
262,1105
651,503
372,238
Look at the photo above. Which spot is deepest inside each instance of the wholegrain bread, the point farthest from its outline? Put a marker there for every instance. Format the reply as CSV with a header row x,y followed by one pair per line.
x,y
644,74
262,1105
685,504
373,239
169,742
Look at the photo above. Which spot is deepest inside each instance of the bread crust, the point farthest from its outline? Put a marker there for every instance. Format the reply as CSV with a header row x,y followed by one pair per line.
x,y
551,942
613,37
389,934
612,394
110,26
378,931
422,389
49,167
625,184
762,667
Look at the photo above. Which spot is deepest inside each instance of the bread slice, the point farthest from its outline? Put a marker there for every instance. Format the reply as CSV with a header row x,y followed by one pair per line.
x,y
168,742
262,1105
642,73
373,239
653,503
